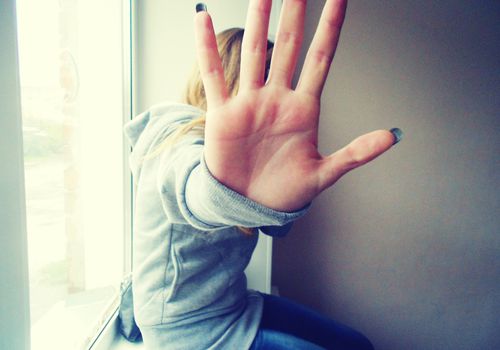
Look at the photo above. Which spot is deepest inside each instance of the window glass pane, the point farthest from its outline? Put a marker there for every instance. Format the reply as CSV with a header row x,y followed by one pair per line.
x,y
72,100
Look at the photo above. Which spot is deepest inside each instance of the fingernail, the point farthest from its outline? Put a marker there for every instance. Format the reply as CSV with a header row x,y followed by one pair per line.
x,y
397,133
201,7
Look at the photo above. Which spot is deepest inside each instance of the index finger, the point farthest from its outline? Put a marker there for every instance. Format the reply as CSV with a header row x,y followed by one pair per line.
x,y
320,55
209,61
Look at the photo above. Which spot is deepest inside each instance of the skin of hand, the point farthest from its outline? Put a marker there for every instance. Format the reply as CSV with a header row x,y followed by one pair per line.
x,y
263,142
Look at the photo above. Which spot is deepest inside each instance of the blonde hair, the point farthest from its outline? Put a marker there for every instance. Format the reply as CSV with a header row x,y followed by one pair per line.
x,y
229,45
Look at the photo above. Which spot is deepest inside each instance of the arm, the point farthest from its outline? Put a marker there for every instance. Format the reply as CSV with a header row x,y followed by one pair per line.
x,y
191,194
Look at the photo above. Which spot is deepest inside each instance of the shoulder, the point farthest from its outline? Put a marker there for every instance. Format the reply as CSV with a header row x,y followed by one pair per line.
x,y
159,118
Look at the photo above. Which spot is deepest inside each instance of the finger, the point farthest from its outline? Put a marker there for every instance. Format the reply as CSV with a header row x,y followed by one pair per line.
x,y
322,49
212,73
288,42
254,46
360,151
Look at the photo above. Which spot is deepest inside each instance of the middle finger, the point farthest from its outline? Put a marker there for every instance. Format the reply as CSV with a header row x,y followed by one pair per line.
x,y
288,42
254,46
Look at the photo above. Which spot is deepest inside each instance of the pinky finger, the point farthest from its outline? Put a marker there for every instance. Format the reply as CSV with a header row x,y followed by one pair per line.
x,y
359,152
209,60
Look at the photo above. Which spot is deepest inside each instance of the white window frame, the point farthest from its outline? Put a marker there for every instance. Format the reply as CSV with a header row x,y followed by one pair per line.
x,y
14,301
15,325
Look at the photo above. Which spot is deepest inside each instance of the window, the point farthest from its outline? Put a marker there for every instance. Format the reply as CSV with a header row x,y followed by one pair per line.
x,y
75,98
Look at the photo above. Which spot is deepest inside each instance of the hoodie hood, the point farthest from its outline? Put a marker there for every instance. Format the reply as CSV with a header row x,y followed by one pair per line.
x,y
148,129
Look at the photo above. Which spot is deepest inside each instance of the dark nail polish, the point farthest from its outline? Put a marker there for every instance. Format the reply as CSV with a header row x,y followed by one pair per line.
x,y
201,7
397,133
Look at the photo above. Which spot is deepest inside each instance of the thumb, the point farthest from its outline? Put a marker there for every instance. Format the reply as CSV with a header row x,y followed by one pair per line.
x,y
360,151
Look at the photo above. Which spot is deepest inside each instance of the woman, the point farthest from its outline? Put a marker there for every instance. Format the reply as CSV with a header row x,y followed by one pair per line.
x,y
243,155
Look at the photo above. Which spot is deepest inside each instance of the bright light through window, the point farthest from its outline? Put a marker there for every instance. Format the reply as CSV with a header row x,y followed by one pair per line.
x,y
72,102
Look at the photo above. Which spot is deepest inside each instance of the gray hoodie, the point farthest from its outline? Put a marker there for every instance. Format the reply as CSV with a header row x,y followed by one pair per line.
x,y
189,258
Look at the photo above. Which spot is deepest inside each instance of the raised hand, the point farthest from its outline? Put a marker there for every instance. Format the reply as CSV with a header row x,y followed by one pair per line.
x,y
263,142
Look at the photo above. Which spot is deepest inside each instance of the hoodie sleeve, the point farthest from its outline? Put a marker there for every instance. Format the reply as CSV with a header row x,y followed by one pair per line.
x,y
191,194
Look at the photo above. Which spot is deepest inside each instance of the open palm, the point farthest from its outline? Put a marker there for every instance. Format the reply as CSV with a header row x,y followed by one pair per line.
x,y
263,142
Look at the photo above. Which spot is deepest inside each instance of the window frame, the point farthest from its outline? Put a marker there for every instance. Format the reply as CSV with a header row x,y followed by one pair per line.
x,y
15,325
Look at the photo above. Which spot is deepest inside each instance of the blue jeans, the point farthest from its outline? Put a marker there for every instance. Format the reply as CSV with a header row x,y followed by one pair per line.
x,y
289,326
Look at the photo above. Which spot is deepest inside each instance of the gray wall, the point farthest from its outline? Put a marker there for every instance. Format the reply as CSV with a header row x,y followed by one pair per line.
x,y
407,249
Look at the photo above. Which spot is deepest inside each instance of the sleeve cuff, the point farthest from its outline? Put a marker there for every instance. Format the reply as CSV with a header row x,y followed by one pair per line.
x,y
213,204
